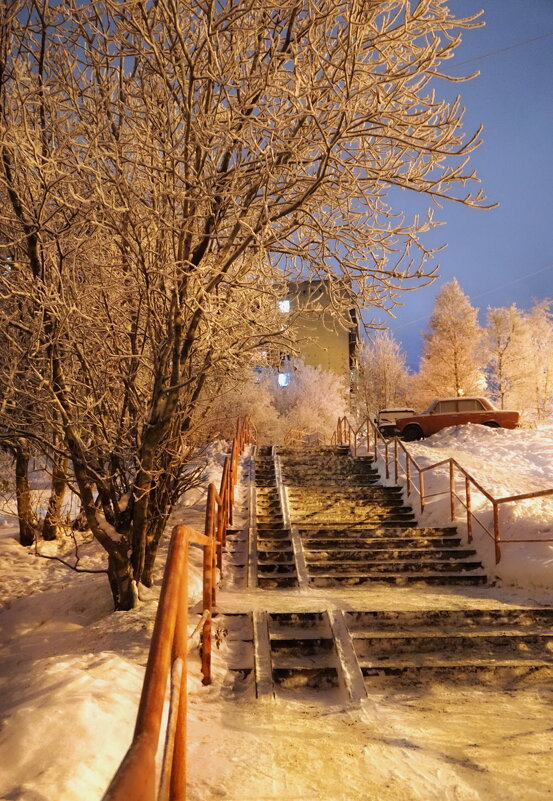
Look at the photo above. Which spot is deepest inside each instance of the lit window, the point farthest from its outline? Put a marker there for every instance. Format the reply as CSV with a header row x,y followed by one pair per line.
x,y
284,306
283,379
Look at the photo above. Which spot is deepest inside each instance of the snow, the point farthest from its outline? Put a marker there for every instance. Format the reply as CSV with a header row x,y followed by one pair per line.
x,y
71,674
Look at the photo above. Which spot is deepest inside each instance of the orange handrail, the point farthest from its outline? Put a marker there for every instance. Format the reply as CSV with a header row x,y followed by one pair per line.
x,y
346,434
135,777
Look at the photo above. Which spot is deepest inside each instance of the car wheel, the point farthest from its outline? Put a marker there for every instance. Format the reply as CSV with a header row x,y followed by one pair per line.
x,y
412,433
491,424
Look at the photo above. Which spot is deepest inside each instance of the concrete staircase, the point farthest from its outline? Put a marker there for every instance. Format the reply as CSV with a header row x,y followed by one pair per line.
x,y
276,567
324,522
354,530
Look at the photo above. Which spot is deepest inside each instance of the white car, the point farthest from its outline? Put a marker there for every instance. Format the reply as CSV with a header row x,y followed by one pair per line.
x,y
386,420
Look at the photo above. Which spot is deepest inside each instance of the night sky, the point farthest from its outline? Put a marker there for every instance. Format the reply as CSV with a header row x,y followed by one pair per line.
x,y
504,255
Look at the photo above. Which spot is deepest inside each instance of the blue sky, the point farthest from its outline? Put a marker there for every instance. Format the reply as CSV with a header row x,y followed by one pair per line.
x,y
504,255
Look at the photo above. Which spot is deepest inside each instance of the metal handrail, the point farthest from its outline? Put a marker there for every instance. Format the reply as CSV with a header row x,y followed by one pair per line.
x,y
167,658
298,436
346,434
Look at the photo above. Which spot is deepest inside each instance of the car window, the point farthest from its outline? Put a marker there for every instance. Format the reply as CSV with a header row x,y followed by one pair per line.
x,y
470,405
445,407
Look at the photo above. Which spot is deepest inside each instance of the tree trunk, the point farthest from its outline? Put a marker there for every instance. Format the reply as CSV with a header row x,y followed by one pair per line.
x,y
152,543
50,528
27,520
123,588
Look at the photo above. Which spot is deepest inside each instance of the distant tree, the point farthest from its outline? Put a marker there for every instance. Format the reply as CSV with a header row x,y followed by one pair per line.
x,y
508,344
540,360
383,377
452,360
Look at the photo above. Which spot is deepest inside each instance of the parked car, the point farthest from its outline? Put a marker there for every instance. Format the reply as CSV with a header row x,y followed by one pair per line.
x,y
446,412
386,420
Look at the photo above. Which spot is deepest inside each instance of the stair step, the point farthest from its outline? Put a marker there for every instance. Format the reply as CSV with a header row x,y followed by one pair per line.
x,y
273,569
289,660
308,677
405,565
485,643
460,670
297,648
372,531
285,557
383,544
279,545
341,555
273,531
354,579
356,525
519,617
292,624
276,582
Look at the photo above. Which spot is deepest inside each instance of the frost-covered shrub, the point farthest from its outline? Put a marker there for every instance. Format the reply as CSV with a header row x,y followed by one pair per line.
x,y
251,397
313,400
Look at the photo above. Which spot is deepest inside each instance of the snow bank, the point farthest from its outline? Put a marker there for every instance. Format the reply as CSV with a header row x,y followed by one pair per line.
x,y
72,669
504,463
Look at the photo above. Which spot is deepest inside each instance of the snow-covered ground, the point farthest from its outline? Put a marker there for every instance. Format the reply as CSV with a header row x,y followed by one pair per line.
x,y
71,673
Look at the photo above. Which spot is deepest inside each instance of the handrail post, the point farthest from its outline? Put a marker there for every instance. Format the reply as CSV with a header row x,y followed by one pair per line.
x,y
208,586
408,474
375,443
232,479
496,531
469,513
219,537
180,651
396,458
421,490
451,489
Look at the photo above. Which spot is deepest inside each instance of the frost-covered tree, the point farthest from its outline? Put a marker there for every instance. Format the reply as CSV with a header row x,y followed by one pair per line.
x,y
452,360
508,343
383,377
540,360
160,165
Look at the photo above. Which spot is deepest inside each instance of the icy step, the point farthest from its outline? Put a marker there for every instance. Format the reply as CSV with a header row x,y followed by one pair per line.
x,y
369,544
284,557
276,582
350,495
356,579
332,530
289,660
319,679
481,644
405,565
523,618
276,569
239,656
354,507
268,545
353,526
299,647
515,672
339,554
288,624
270,530
299,633
361,519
